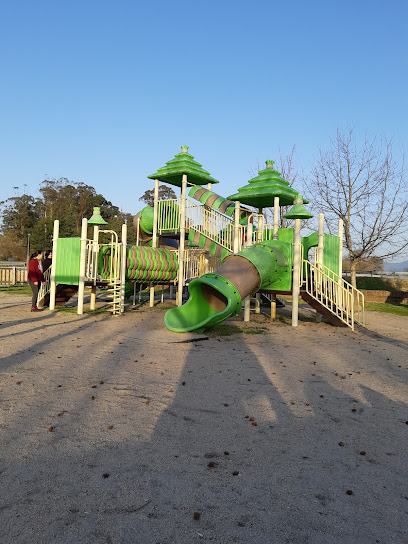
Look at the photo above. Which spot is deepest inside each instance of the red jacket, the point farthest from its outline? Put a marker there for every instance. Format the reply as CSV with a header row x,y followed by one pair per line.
x,y
34,272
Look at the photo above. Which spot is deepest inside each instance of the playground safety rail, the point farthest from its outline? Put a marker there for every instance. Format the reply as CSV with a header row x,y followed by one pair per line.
x,y
212,224
337,295
168,215
45,285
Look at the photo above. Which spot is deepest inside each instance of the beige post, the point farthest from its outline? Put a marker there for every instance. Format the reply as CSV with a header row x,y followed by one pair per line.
x,y
275,217
296,275
94,266
320,245
54,264
209,186
341,248
182,240
260,233
82,263
154,239
273,307
340,292
247,301
259,238
236,227
123,268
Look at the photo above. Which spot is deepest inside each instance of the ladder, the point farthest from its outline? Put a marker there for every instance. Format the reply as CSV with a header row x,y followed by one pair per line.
x,y
114,294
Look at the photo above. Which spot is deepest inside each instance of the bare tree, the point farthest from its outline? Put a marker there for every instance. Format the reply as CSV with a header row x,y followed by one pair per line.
x,y
365,186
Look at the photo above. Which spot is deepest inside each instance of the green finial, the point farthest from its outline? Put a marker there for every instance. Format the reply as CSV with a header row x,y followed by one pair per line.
x,y
298,211
184,148
97,219
269,164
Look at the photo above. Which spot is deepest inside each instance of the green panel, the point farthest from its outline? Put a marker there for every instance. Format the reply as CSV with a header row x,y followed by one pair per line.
x,y
67,262
309,241
286,235
331,245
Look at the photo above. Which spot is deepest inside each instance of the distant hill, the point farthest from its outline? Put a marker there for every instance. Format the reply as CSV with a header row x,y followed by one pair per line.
x,y
395,267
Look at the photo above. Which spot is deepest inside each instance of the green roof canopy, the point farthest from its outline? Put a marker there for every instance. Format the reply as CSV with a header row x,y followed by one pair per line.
x,y
183,163
261,190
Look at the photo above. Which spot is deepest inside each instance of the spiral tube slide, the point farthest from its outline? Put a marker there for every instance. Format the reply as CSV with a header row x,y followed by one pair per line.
x,y
217,296
143,263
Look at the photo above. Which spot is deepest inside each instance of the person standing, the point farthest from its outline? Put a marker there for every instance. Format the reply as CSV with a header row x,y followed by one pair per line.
x,y
46,263
35,277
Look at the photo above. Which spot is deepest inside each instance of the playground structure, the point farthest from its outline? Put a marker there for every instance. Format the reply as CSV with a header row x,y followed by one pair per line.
x,y
221,248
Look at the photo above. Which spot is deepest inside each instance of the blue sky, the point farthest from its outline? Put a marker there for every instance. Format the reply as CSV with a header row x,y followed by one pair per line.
x,y
107,92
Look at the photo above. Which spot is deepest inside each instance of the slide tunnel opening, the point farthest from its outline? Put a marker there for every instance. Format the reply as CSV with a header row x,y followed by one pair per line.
x,y
214,298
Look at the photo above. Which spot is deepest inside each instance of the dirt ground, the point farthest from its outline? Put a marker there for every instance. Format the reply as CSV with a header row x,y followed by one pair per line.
x,y
114,430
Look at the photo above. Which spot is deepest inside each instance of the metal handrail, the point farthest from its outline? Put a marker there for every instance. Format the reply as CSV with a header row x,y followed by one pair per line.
x,y
45,285
332,292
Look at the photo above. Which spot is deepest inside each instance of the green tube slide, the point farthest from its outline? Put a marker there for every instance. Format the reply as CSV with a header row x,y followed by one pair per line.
x,y
217,296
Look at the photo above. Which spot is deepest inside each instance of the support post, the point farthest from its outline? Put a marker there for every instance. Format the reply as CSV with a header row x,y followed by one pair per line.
x,y
247,300
341,248
260,233
155,223
94,266
296,275
82,263
320,248
275,217
123,268
182,240
54,264
273,307
236,227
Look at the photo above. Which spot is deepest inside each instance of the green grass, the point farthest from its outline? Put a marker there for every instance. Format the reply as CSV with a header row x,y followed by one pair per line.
x,y
387,308
16,289
374,284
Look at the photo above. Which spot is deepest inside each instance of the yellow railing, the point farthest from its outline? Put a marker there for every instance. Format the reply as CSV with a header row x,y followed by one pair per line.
x,y
332,292
196,263
45,285
211,223
168,216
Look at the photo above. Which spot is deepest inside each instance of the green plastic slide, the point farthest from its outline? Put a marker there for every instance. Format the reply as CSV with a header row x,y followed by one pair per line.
x,y
213,299
217,296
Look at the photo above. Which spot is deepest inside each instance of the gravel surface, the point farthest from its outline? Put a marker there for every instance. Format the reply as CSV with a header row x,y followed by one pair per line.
x,y
114,430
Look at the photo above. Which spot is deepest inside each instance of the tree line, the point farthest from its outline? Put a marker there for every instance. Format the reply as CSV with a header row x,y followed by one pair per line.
x,y
27,220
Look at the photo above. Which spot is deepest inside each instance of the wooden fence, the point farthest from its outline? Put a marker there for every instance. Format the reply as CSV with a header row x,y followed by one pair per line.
x,y
13,275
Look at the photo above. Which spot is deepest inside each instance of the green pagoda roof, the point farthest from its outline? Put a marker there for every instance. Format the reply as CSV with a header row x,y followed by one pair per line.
x,y
261,190
183,163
